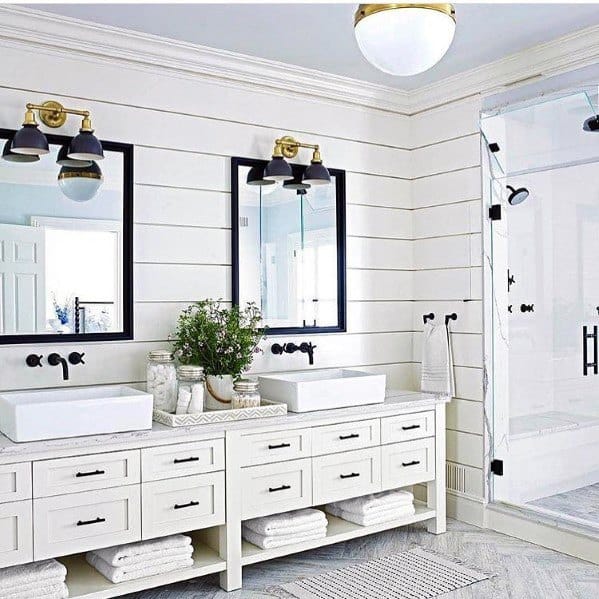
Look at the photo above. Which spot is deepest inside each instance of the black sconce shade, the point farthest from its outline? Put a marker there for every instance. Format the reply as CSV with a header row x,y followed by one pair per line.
x,y
12,157
29,140
317,174
64,160
278,169
256,177
86,146
296,183
591,124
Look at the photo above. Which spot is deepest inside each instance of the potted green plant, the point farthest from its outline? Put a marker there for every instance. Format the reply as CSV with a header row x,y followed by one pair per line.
x,y
220,339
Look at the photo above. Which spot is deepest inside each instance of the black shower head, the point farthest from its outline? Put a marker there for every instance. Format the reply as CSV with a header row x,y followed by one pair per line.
x,y
517,196
591,124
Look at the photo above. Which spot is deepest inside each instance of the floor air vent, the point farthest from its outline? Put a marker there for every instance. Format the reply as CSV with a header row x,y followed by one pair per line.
x,y
456,477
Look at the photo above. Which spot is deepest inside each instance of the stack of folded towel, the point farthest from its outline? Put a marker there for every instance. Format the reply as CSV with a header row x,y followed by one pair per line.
x,y
146,558
285,529
39,580
374,509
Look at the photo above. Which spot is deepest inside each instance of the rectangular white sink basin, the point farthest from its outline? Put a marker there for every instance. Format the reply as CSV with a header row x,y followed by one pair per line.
x,y
60,413
323,389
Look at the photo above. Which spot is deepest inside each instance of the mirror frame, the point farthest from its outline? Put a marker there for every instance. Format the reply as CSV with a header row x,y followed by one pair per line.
x,y
128,185
339,175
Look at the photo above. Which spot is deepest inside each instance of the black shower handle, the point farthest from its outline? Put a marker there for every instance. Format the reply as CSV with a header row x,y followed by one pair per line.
x,y
527,308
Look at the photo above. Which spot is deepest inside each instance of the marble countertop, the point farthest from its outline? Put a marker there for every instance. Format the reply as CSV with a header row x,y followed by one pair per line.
x,y
396,401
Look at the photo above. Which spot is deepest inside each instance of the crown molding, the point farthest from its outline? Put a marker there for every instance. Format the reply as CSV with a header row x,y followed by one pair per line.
x,y
28,28
66,36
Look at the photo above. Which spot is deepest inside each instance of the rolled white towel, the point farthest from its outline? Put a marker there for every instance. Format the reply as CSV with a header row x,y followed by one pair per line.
x,y
388,515
47,591
376,502
289,523
14,578
141,552
270,542
134,572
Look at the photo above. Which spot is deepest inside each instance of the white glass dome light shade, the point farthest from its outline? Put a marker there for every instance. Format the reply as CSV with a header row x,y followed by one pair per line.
x,y
80,184
404,39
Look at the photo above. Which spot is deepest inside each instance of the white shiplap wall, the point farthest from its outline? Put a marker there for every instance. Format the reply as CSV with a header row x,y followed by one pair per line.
x,y
413,218
185,130
446,200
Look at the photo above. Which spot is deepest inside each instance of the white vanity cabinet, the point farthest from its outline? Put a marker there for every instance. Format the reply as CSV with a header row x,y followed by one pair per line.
x,y
62,498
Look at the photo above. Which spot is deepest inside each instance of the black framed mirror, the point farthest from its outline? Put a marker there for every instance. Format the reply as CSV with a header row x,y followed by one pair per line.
x,y
66,241
288,250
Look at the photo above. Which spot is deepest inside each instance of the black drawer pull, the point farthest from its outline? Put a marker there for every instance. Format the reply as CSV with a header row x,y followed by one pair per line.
x,y
279,446
412,463
410,428
352,436
281,488
94,473
184,505
86,522
352,475
185,460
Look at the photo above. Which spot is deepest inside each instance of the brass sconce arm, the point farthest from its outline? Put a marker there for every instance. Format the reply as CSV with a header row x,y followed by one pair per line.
x,y
289,147
54,114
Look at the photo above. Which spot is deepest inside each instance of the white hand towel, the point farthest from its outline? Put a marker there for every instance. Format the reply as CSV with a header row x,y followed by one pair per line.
x,y
125,573
375,503
266,542
140,552
298,521
15,577
47,591
379,518
437,361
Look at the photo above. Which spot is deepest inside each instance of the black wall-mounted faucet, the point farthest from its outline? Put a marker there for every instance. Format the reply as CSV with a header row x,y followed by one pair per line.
x,y
291,348
55,359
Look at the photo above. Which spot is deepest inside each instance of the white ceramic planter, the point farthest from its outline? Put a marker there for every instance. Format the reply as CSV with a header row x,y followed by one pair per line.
x,y
219,392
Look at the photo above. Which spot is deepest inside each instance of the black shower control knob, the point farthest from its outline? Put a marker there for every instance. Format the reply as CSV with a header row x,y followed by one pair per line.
x,y
509,308
527,308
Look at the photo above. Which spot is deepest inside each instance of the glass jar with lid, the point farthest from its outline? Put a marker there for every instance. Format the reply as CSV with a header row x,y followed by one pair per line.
x,y
245,394
190,389
162,379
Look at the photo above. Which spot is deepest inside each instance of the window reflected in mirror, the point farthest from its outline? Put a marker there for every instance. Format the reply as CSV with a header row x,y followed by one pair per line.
x,y
291,252
65,247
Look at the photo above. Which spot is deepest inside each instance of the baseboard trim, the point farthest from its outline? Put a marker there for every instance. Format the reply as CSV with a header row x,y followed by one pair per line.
x,y
546,532
466,509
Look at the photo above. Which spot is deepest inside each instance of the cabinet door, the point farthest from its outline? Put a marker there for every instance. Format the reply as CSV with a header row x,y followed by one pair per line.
x,y
16,533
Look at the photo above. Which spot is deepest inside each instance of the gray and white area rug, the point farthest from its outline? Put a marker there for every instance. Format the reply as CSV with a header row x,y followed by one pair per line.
x,y
412,574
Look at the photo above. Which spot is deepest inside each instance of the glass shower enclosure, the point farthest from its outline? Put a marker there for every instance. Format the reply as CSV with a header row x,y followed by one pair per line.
x,y
544,257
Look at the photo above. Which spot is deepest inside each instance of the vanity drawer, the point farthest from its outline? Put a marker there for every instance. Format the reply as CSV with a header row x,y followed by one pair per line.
x,y
408,463
15,482
182,504
83,521
275,446
184,459
16,533
346,436
276,488
407,427
346,475
85,473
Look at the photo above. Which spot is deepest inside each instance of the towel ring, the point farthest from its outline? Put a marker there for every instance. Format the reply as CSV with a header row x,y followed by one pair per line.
x,y
448,317
427,317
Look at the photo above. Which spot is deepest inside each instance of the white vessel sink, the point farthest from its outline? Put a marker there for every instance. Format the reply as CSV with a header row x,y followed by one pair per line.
x,y
59,413
323,389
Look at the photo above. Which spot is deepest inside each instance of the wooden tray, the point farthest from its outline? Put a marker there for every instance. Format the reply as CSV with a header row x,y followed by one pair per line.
x,y
267,409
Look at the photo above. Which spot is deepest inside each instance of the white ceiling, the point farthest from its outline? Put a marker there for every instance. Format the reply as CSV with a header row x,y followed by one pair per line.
x,y
320,36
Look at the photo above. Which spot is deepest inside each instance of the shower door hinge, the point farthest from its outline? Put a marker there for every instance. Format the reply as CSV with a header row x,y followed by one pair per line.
x,y
495,212
497,467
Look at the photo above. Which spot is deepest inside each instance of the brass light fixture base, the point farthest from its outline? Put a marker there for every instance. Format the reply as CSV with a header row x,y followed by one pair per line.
x,y
365,10
52,114
289,146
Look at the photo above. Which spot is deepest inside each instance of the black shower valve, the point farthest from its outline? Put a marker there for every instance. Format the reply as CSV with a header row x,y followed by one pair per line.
x,y
527,308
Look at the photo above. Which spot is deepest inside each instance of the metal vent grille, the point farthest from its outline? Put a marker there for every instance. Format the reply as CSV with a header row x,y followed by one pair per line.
x,y
244,221
456,477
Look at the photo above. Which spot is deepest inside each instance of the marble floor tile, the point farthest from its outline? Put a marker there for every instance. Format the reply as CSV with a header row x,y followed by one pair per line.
x,y
524,571
580,503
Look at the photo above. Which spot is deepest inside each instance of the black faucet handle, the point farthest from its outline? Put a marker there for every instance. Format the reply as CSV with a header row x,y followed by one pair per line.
x,y
33,360
290,348
307,347
277,349
76,358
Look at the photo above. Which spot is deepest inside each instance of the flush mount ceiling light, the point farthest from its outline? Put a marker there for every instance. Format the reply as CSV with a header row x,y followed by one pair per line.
x,y
80,183
404,39
278,169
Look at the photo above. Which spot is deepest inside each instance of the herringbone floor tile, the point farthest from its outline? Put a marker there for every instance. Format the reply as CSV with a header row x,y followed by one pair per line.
x,y
523,570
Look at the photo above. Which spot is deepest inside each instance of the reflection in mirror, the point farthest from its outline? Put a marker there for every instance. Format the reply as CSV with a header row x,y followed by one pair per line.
x,y
291,251
65,247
